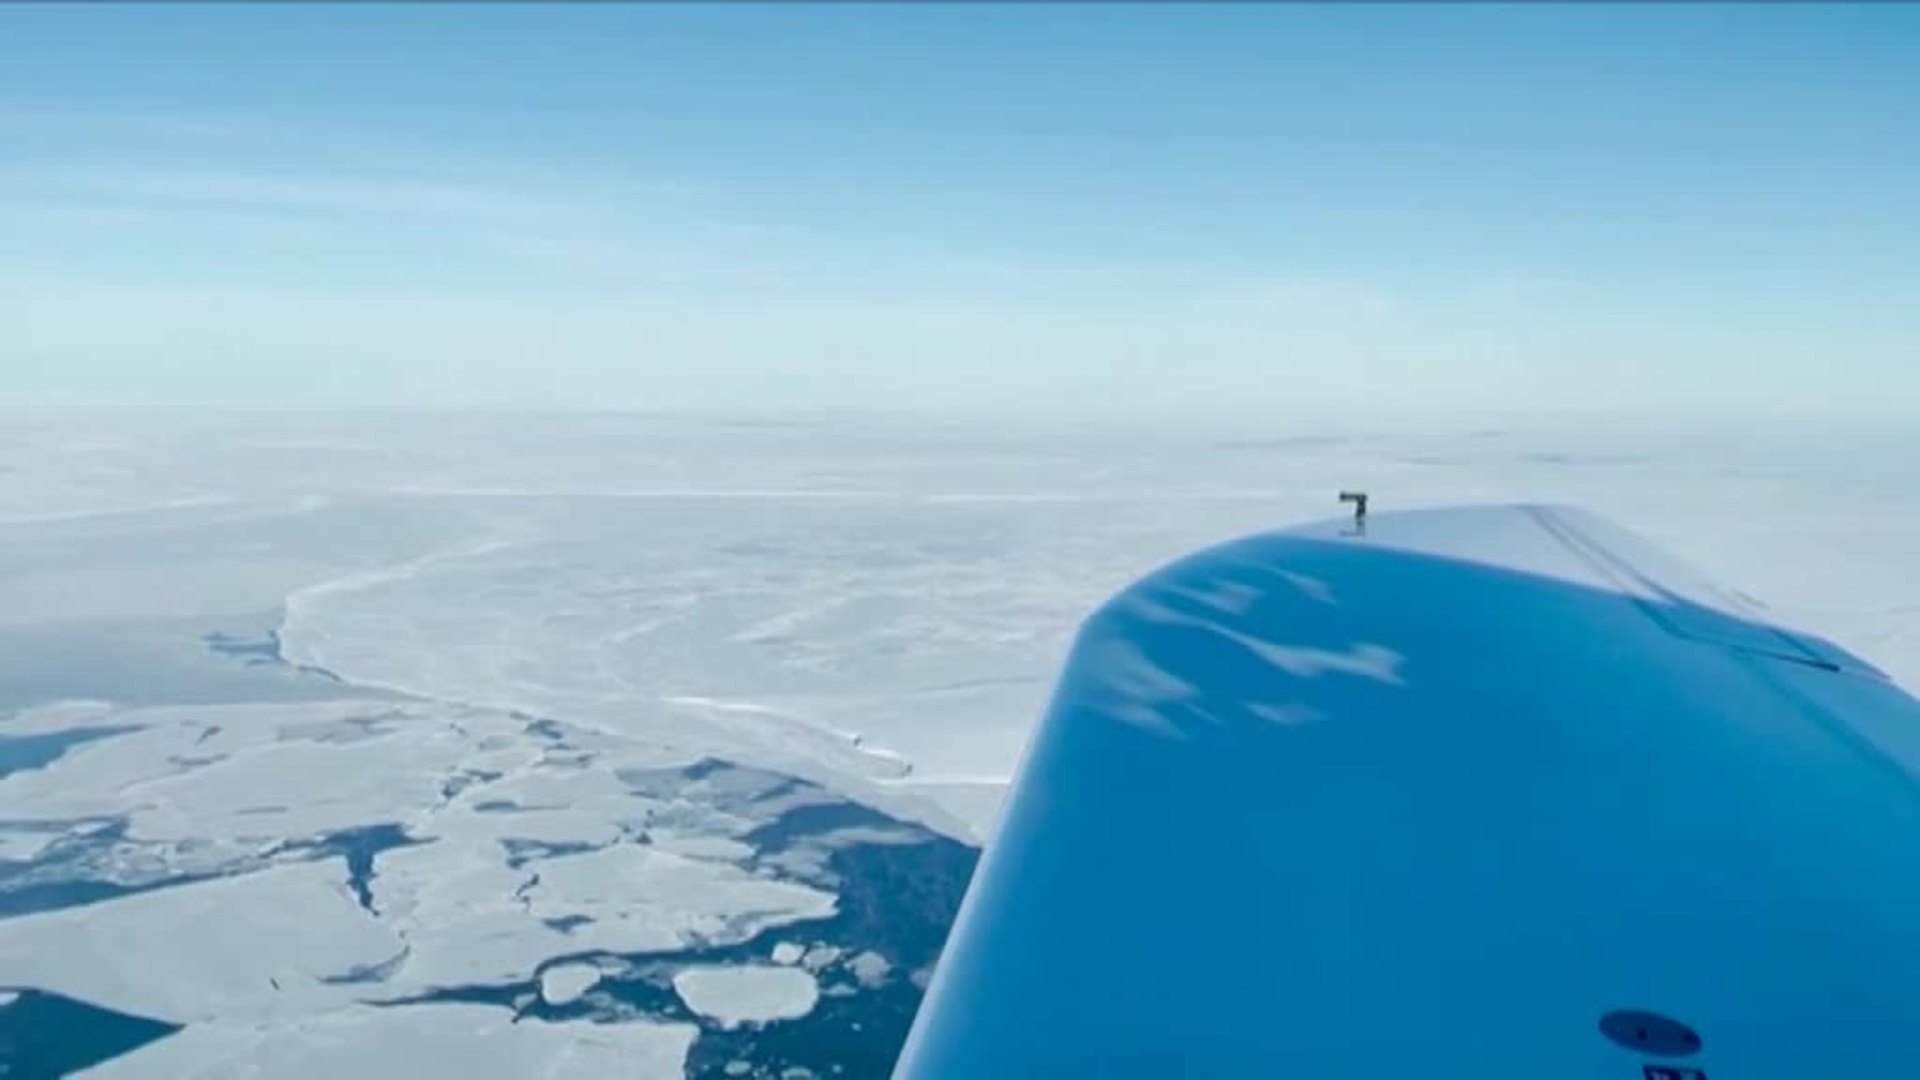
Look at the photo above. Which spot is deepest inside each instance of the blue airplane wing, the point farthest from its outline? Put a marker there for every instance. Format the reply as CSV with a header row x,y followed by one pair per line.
x,y
1472,793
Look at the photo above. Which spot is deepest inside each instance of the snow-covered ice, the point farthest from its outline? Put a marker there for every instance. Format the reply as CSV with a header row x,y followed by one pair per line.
x,y
467,1041
563,983
251,947
641,899
18,845
820,957
750,994
317,720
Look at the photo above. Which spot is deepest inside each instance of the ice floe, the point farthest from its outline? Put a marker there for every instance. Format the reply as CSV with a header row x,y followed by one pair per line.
x,y
467,1041
747,994
563,983
256,946
870,969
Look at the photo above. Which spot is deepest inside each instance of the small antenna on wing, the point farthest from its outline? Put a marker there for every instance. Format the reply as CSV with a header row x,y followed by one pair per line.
x,y
1359,501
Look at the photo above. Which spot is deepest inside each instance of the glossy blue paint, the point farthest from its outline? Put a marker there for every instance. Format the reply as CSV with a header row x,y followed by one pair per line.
x,y
1432,799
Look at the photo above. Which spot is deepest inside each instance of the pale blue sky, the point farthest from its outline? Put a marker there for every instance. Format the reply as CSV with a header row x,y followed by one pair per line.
x,y
1127,208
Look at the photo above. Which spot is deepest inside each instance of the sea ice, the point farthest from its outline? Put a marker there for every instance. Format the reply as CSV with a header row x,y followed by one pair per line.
x,y
467,1041
748,994
563,983
870,969
253,947
509,637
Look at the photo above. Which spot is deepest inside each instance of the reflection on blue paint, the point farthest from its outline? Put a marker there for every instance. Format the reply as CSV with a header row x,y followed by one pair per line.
x,y
1555,801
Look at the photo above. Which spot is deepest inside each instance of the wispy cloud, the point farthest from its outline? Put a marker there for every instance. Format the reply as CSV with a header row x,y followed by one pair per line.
x,y
89,189
74,126
407,270
309,194
223,164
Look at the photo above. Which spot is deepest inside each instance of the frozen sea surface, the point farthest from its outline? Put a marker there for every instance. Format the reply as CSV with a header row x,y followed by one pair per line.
x,y
536,745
